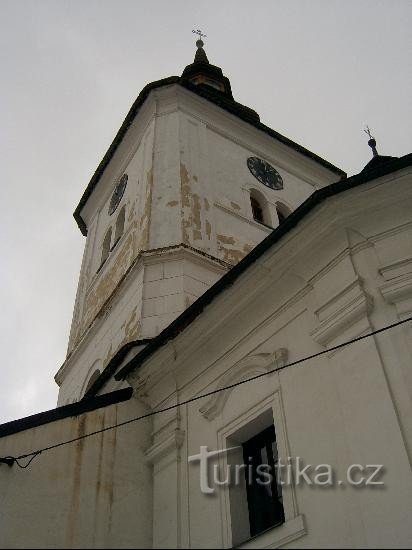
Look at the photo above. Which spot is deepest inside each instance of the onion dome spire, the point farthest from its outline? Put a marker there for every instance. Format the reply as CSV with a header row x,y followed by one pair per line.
x,y
200,56
203,74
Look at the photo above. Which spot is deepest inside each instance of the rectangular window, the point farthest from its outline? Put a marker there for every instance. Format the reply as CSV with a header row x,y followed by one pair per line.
x,y
264,494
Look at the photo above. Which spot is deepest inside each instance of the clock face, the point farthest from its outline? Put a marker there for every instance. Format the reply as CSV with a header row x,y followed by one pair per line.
x,y
118,194
265,173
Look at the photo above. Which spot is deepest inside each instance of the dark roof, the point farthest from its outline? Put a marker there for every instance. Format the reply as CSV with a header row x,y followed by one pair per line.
x,y
111,367
190,314
376,161
214,96
66,411
201,66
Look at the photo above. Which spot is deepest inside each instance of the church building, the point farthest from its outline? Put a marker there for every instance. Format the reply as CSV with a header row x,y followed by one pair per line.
x,y
239,367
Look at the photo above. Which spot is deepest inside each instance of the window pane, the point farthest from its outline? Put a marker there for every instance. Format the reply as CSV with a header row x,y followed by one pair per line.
x,y
263,494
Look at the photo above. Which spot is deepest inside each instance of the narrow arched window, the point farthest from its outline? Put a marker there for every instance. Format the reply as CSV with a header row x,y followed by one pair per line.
x,y
119,226
259,207
106,246
92,380
282,212
257,210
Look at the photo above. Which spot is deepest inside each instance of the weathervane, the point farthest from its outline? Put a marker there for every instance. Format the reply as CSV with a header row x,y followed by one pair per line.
x,y
199,42
372,141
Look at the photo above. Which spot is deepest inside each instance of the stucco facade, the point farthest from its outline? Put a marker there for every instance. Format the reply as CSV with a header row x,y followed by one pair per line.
x,y
188,219
205,301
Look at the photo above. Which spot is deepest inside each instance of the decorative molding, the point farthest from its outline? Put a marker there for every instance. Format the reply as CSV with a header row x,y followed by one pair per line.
x,y
398,281
397,269
398,289
341,312
391,232
248,367
171,443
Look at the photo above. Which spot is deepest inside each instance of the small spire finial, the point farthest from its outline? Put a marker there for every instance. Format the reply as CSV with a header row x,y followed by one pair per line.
x,y
371,142
199,42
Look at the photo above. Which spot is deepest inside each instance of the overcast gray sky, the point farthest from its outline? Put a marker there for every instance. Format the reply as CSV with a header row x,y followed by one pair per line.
x,y
316,71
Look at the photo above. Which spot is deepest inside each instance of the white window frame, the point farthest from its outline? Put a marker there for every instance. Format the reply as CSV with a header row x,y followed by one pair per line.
x,y
293,527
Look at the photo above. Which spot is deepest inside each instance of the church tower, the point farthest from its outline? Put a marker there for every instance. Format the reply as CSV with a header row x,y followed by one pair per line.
x,y
192,182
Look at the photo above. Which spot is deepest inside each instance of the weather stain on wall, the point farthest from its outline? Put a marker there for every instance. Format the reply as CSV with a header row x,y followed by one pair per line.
x,y
225,239
185,185
111,470
196,227
79,428
145,219
109,281
131,216
208,229
235,252
197,223
98,477
119,265
172,203
131,329
185,213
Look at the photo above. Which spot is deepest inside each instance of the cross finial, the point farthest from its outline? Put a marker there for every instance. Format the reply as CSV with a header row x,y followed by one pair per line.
x,y
199,42
199,32
368,131
371,142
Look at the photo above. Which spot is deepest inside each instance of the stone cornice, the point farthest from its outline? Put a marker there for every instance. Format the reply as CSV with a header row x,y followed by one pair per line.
x,y
398,289
341,312
144,258
172,442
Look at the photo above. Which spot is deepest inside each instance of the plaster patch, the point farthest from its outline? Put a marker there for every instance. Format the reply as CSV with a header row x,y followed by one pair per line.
x,y
225,239
208,229
105,287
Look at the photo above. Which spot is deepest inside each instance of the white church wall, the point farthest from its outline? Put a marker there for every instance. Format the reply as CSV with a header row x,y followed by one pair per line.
x,y
188,183
96,493
118,324
96,284
351,406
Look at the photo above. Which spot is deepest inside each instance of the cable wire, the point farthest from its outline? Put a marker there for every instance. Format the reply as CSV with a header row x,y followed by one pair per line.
x,y
33,454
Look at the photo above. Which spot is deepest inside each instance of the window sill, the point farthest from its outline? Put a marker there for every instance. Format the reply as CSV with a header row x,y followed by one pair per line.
x,y
277,536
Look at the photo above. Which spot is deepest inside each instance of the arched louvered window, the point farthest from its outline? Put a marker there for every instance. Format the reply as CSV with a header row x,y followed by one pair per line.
x,y
259,206
282,212
92,380
106,246
119,225
257,210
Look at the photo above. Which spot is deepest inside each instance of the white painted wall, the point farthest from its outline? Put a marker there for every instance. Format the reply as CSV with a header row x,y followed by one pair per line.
x,y
93,494
188,188
344,271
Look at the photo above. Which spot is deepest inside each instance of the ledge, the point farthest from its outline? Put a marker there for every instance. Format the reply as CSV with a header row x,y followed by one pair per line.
x,y
277,536
74,409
